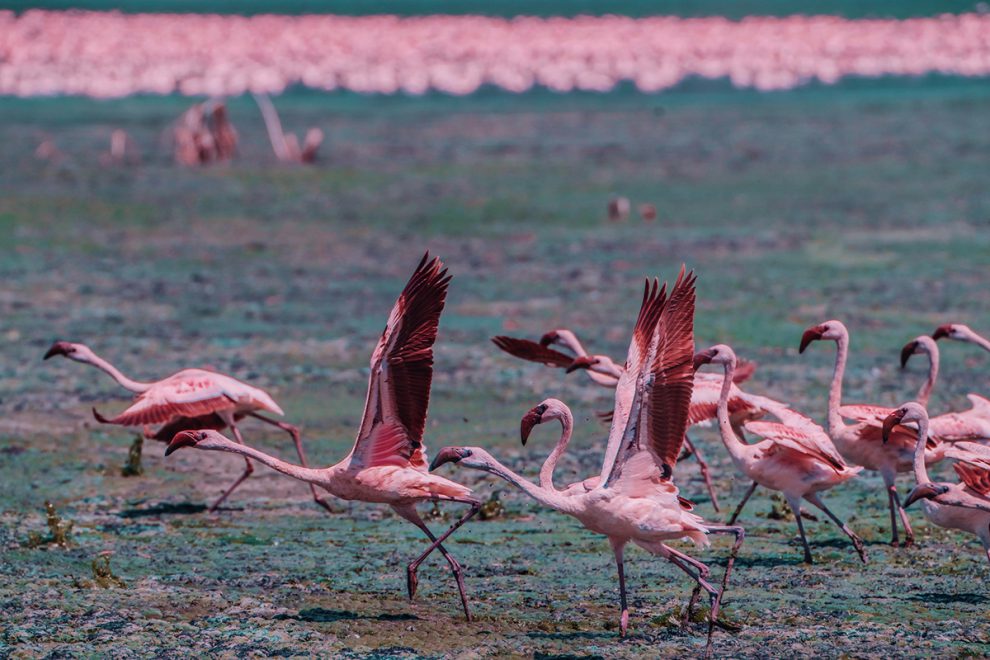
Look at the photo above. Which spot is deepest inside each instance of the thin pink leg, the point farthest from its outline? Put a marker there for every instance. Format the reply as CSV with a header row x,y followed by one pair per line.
x,y
293,431
617,548
749,493
703,466
248,470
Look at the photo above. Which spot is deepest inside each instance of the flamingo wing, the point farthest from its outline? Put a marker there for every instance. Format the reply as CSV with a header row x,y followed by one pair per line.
x,y
401,374
976,479
190,393
629,387
744,371
532,351
865,413
799,440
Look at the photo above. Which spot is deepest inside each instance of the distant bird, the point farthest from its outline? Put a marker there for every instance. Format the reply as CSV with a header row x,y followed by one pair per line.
x,y
964,506
618,209
189,399
387,464
862,443
634,499
648,212
960,332
794,456
603,371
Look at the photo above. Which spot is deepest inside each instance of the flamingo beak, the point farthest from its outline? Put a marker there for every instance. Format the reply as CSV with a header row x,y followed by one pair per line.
x,y
548,338
703,357
814,333
893,419
58,348
583,362
449,455
182,439
907,352
941,331
529,420
925,492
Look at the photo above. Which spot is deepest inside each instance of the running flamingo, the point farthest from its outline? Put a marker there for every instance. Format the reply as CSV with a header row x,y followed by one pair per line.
x,y
795,456
605,372
634,499
964,506
862,443
189,399
388,463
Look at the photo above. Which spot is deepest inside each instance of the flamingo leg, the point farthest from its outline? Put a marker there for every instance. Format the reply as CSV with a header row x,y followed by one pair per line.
x,y
740,535
293,431
248,469
617,548
796,508
897,511
749,493
713,594
703,467
856,541
894,538
905,521
412,581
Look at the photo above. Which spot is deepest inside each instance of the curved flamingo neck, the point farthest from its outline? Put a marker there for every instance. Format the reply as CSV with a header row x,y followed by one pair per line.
x,y
545,496
570,340
737,448
920,469
117,375
835,422
925,391
549,465
321,477
982,342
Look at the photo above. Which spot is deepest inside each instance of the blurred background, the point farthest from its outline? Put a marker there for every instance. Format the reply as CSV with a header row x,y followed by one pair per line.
x,y
247,186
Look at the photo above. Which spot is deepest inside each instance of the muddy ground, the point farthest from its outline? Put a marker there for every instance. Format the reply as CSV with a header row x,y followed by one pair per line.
x,y
866,203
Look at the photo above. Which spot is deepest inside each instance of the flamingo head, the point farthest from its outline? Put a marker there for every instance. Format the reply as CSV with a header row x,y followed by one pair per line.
x,y
546,411
926,491
833,330
917,346
471,457
202,439
906,414
77,352
717,354
583,362
956,331
549,338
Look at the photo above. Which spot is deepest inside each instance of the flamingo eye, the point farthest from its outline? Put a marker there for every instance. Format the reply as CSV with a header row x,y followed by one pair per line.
x,y
540,409
202,435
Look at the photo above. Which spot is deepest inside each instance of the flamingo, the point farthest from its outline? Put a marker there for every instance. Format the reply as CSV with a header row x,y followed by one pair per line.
x,y
188,399
603,371
634,498
388,463
960,332
964,506
972,424
862,443
795,455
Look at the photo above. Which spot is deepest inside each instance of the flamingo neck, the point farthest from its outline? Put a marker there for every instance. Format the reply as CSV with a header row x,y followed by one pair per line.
x,y
835,422
982,342
737,448
925,392
545,496
549,465
321,477
570,340
117,375
920,469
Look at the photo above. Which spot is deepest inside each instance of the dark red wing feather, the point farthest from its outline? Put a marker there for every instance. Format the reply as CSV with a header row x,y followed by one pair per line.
x,y
977,479
532,351
744,371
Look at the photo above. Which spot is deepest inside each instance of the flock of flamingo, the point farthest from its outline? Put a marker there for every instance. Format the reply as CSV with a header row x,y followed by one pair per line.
x,y
110,54
659,394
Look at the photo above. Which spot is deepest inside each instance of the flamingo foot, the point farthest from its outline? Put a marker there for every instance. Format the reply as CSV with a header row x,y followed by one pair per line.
x,y
412,581
624,623
860,548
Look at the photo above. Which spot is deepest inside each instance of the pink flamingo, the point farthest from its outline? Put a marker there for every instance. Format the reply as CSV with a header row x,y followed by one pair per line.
x,y
964,506
862,443
387,464
189,399
795,456
603,371
960,332
634,499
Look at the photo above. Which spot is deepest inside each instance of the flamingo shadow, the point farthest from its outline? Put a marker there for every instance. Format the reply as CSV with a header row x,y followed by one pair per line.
x,y
948,599
166,509
322,615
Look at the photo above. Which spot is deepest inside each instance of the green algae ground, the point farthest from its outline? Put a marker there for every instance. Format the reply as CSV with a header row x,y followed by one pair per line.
x,y
866,203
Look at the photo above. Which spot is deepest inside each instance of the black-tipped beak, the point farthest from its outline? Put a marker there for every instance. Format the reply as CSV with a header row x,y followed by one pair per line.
x,y
892,420
58,348
941,331
907,352
548,338
813,333
925,492
583,362
703,357
182,439
449,455
529,420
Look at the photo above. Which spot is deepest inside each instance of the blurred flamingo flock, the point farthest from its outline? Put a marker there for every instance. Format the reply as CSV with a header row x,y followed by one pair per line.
x,y
103,54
